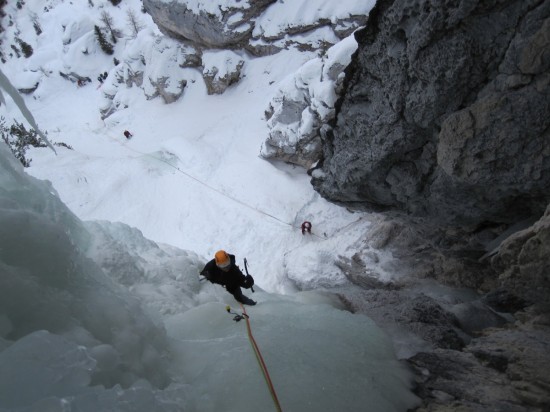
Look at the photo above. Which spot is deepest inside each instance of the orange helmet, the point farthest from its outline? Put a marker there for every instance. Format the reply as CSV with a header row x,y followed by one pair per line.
x,y
222,259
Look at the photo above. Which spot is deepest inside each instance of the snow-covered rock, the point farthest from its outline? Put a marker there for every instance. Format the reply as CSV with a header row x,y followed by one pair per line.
x,y
221,70
302,109
262,26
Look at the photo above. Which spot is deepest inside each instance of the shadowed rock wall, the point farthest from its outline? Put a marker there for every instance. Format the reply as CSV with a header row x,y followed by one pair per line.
x,y
445,116
446,111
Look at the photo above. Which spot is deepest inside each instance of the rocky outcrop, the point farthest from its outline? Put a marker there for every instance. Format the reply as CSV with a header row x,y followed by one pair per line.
x,y
523,264
262,26
217,28
165,88
504,370
167,80
446,112
477,349
420,250
214,25
304,104
221,70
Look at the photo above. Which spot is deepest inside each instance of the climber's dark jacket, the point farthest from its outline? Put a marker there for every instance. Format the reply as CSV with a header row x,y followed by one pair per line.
x,y
233,279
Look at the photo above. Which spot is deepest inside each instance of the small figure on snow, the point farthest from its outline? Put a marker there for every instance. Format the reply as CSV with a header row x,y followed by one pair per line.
x,y
127,134
306,227
82,81
223,271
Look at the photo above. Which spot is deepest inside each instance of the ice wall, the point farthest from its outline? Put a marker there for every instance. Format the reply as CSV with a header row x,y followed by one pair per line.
x,y
53,296
319,358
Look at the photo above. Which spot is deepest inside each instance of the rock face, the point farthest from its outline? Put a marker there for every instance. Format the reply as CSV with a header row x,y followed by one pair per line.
x,y
446,112
215,36
261,27
471,351
523,264
505,370
228,27
221,70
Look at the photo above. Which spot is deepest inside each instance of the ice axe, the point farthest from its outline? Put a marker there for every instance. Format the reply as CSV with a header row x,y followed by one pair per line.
x,y
247,274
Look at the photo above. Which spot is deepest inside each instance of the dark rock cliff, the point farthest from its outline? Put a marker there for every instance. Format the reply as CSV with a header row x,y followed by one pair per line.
x,y
444,124
446,111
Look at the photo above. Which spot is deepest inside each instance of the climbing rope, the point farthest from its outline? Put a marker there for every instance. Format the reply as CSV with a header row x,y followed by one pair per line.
x,y
259,358
261,361
213,188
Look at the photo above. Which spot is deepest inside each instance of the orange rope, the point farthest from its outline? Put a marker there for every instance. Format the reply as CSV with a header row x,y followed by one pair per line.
x,y
261,362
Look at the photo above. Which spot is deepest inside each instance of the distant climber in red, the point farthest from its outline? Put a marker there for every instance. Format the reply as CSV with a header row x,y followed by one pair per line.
x,y
127,134
306,227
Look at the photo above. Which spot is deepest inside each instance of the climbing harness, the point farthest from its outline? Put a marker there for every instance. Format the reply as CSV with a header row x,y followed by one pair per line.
x,y
259,358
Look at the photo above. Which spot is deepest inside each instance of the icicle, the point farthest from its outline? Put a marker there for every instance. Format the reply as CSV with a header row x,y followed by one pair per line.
x,y
14,94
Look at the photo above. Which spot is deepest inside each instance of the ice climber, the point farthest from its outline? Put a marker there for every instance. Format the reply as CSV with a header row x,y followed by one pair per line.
x,y
306,227
223,271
